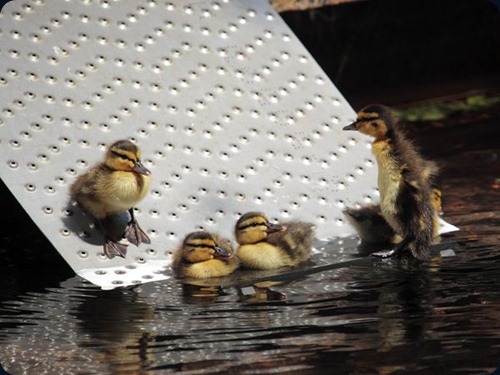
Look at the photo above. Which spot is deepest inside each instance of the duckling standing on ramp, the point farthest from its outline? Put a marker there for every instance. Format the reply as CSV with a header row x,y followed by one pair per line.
x,y
112,187
404,182
264,245
203,255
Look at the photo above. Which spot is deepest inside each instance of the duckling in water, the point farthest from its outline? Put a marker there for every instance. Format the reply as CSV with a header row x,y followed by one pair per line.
x,y
264,245
203,255
404,182
112,187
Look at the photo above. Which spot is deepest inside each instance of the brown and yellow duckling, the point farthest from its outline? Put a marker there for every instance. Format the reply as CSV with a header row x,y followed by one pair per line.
x,y
372,227
112,187
204,255
264,245
404,182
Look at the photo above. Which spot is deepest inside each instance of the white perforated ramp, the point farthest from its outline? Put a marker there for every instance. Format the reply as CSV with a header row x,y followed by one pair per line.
x,y
231,112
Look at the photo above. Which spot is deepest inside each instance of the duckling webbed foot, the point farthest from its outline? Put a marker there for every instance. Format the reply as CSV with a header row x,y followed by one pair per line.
x,y
112,249
135,235
392,252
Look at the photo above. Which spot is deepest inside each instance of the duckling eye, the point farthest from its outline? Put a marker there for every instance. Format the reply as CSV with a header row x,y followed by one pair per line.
x,y
374,125
123,157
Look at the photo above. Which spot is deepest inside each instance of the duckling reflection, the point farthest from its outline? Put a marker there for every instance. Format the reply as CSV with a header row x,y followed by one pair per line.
x,y
404,182
264,245
115,321
112,187
261,292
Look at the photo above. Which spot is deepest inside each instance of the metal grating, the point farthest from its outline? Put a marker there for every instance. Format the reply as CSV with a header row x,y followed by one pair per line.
x,y
231,113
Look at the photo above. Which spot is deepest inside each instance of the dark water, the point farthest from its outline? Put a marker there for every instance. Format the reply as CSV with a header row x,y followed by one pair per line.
x,y
364,316
380,317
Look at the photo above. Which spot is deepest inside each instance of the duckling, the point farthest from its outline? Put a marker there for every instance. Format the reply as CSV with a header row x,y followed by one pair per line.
x,y
404,182
372,226
112,187
203,255
264,245
436,199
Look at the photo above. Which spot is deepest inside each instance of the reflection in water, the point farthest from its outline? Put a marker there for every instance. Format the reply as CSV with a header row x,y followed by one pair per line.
x,y
369,316
114,321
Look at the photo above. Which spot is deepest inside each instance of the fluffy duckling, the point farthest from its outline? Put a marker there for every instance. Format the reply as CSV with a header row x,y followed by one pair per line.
x,y
372,227
404,182
112,187
436,199
203,255
264,245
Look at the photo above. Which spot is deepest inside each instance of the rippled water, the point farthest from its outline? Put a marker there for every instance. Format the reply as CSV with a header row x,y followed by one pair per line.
x,y
364,316
371,316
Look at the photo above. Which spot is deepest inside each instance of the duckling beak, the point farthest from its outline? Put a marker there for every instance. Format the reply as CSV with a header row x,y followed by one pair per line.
x,y
353,126
140,168
219,251
272,228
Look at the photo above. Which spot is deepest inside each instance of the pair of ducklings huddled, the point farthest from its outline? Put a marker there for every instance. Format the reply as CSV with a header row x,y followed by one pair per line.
x,y
262,245
409,205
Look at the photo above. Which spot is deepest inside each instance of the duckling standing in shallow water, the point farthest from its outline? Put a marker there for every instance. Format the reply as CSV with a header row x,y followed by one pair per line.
x,y
203,255
404,182
264,245
112,187
372,227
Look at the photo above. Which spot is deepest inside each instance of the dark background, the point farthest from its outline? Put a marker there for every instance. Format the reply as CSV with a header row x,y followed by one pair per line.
x,y
403,50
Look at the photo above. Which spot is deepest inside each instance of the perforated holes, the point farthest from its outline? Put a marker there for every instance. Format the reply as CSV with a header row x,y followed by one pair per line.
x,y
71,172
29,95
323,181
32,167
151,252
15,143
320,219
350,178
83,254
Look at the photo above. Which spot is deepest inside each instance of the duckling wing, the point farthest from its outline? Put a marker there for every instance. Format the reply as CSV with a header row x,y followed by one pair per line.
x,y
295,241
87,191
